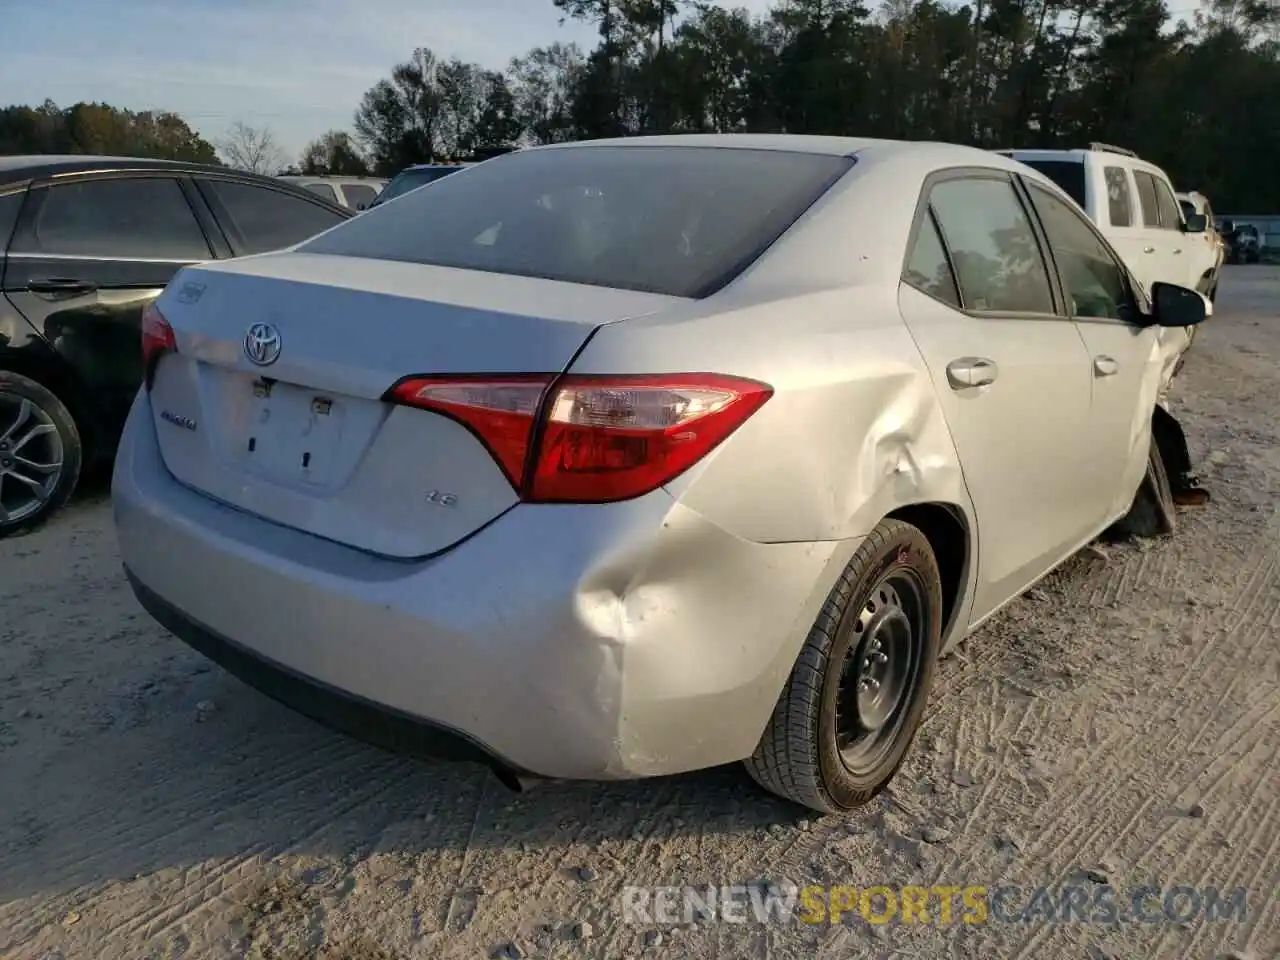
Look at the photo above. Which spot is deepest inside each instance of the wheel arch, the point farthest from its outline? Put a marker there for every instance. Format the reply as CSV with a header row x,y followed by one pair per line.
x,y
60,380
946,526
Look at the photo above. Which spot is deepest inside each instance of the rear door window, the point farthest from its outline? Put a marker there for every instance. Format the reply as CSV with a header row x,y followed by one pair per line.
x,y
1147,198
144,218
322,190
996,255
681,221
1170,218
928,269
258,219
1119,199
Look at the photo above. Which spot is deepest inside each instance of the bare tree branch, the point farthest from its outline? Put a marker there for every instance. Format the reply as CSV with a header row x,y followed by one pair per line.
x,y
251,148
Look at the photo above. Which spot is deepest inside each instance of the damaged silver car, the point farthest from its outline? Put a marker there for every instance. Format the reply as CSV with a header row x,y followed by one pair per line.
x,y
627,458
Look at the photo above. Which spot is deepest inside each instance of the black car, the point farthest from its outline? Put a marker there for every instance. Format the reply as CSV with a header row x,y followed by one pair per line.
x,y
85,244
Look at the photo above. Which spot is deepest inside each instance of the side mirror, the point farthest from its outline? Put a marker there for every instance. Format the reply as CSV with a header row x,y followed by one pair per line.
x,y
1175,306
1196,223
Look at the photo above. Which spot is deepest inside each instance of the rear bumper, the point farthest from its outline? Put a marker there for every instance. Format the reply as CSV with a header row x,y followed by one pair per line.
x,y
371,722
573,642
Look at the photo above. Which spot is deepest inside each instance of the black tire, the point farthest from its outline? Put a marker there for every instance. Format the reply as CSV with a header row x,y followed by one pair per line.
x,y
1153,513
800,756
15,388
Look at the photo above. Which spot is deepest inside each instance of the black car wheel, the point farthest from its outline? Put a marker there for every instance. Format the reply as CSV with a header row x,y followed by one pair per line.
x,y
856,695
40,454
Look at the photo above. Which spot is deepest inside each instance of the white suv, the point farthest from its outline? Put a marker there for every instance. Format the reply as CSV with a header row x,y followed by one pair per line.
x,y
1133,204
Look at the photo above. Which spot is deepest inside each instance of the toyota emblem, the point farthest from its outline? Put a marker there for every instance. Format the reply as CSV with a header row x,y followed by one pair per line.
x,y
262,344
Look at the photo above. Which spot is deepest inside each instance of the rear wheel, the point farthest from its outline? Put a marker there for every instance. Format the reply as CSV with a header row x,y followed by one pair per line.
x,y
856,695
1153,513
40,454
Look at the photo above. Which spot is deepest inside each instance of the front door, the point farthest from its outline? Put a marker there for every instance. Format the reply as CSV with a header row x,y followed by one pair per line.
x,y
1012,376
1125,359
88,256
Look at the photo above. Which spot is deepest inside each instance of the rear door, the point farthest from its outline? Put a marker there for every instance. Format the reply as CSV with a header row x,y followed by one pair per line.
x,y
258,218
1012,375
1159,243
88,255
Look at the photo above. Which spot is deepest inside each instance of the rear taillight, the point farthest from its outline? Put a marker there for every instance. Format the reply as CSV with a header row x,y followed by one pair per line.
x,y
157,335
593,439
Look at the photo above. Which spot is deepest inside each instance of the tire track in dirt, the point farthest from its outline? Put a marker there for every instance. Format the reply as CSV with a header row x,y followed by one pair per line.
x,y
1098,780
1257,611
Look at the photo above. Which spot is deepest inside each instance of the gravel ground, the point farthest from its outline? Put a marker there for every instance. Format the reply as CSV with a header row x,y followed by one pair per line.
x,y
1119,725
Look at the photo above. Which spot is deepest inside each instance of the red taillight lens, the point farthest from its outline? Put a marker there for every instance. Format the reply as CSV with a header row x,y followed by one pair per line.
x,y
613,438
157,335
600,439
501,411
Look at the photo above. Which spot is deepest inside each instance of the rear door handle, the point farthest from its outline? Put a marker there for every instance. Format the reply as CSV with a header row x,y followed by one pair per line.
x,y
1148,249
968,372
1104,366
1177,249
61,285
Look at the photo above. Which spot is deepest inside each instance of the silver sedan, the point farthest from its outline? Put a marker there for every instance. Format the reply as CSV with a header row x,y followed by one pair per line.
x,y
627,458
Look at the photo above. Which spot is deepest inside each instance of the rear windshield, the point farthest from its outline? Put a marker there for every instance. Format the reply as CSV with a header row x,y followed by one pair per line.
x,y
408,180
1066,174
681,221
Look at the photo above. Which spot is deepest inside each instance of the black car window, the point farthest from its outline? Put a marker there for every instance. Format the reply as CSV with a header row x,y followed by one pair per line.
x,y
928,269
322,190
263,219
1170,218
1119,201
1147,198
9,207
359,195
681,221
996,256
407,180
1094,281
1068,174
143,218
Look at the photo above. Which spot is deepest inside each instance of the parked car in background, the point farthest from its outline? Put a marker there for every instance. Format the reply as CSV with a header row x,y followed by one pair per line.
x,y
1195,204
627,458
1133,204
413,177
90,242
354,193
1243,242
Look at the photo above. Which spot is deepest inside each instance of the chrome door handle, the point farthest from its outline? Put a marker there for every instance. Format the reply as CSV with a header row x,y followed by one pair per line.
x,y
971,372
1148,249
1104,366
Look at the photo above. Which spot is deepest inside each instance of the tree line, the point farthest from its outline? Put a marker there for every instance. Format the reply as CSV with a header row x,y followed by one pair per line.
x,y
1197,92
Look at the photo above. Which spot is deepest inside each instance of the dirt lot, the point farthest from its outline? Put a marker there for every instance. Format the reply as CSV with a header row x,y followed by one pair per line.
x,y
1123,719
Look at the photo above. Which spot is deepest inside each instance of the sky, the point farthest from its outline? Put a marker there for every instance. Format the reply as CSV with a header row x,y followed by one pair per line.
x,y
298,67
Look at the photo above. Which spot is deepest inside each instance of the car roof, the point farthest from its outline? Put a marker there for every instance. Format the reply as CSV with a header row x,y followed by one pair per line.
x,y
864,148
35,166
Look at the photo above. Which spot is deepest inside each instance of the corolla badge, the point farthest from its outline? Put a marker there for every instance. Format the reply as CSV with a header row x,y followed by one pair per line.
x,y
262,344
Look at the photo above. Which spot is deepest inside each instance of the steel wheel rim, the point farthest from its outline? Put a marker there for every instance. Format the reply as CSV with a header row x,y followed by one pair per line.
x,y
880,671
31,457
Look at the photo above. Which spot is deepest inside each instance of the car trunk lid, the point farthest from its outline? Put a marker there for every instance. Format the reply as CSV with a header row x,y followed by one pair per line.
x,y
306,440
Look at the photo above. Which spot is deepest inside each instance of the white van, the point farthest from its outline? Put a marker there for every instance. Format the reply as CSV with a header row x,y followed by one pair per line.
x,y
1134,206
